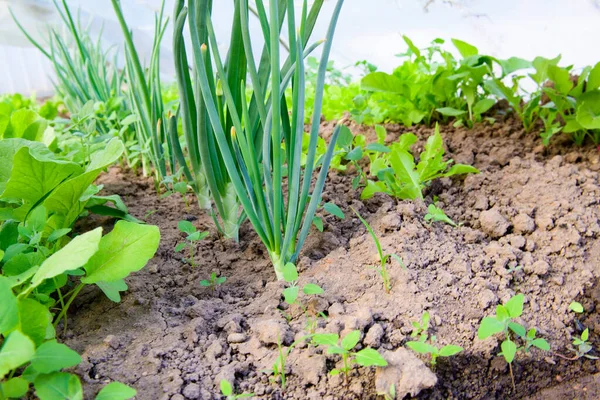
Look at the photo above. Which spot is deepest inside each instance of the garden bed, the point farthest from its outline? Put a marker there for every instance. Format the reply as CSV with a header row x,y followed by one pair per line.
x,y
530,206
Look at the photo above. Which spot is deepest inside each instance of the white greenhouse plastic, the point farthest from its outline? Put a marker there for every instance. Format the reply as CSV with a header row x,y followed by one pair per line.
x,y
367,30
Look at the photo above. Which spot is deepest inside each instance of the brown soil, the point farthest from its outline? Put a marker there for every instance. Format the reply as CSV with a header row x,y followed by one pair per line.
x,y
531,206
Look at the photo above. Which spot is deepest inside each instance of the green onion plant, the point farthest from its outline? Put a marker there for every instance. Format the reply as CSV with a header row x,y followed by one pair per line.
x,y
245,148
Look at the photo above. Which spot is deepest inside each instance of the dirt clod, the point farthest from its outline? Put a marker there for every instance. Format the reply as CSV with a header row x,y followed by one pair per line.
x,y
493,223
409,374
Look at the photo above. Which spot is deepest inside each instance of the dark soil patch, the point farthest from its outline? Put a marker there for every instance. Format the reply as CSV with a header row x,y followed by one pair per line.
x,y
172,339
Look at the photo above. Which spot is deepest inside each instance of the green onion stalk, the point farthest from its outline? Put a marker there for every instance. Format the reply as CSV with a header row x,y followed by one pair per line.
x,y
254,144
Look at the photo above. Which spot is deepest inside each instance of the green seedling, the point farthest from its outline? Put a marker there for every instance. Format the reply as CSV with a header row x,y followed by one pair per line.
x,y
366,357
420,327
227,390
292,292
422,347
278,368
436,214
213,282
400,177
514,268
576,307
192,237
582,346
383,258
503,322
332,209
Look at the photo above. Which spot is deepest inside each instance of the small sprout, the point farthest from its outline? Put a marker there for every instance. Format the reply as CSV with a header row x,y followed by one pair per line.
x,y
390,394
420,328
193,236
576,307
291,294
436,214
366,357
435,352
583,345
227,390
383,258
213,282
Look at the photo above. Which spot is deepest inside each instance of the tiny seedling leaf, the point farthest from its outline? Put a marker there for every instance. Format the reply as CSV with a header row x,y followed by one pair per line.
x,y
226,388
52,356
576,307
450,350
541,344
370,357
334,210
186,227
290,294
327,339
518,329
311,288
290,273
509,350
514,306
421,347
351,340
489,326
116,391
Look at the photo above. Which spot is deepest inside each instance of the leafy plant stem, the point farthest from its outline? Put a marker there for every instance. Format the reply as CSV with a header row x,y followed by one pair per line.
x,y
64,310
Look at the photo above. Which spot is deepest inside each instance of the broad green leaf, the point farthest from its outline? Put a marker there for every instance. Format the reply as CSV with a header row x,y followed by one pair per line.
x,y
588,110
311,288
290,294
58,386
450,112
372,188
518,329
336,350
35,174
421,347
431,163
180,246
414,49
465,49
64,203
333,209
381,134
197,236
14,388
541,344
290,273
514,306
186,227
318,222
345,137
459,169
21,263
386,83
561,78
404,168
112,289
509,350
576,306
326,339
483,105
116,391
350,340
450,350
377,165
513,64
355,154
34,319
377,147
489,326
126,249
72,256
26,124
593,81
370,357
9,313
502,313
226,388
52,356
57,234
541,65
16,351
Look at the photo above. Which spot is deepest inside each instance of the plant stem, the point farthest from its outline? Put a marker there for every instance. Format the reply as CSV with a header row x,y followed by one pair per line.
x,y
63,312
512,377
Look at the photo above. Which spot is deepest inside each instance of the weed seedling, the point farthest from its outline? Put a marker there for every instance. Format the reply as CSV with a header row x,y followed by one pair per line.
x,y
383,258
436,214
213,281
366,357
425,348
227,390
390,394
582,346
278,369
291,294
420,327
193,236
503,322
576,307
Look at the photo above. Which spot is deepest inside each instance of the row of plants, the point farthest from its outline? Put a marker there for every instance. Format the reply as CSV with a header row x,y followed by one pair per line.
x,y
46,186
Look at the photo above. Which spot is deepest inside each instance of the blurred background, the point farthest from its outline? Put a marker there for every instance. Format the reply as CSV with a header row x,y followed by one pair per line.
x,y
370,30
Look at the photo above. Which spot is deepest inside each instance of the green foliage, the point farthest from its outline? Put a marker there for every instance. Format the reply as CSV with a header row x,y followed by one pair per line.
x,y
383,258
434,352
213,281
576,307
398,175
193,236
436,214
420,327
504,322
366,357
582,346
227,391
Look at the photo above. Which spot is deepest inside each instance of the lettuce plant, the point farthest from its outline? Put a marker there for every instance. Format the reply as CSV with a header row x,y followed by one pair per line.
x,y
399,176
